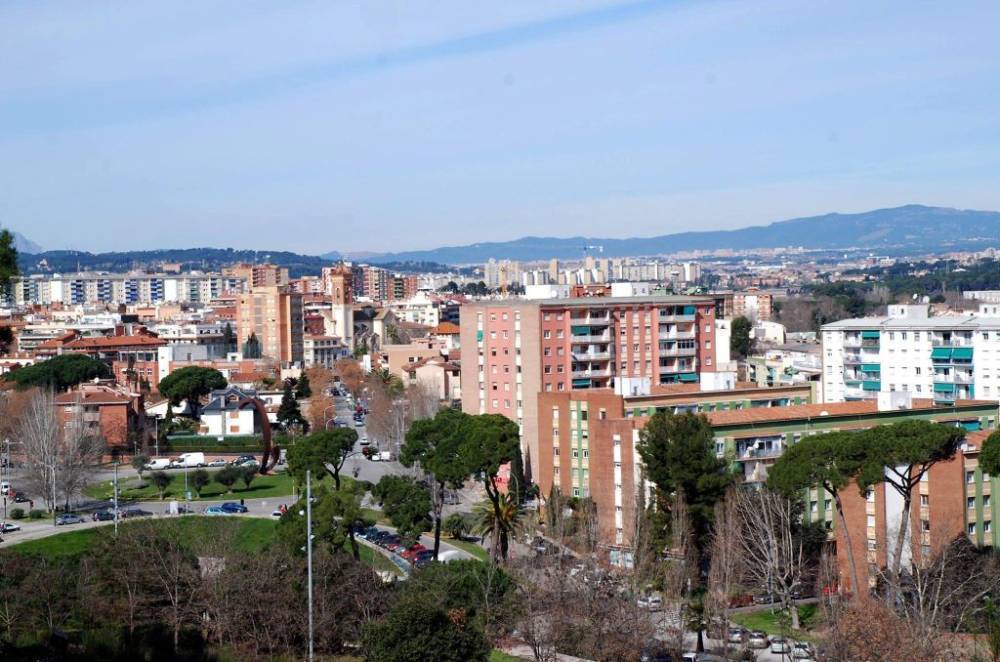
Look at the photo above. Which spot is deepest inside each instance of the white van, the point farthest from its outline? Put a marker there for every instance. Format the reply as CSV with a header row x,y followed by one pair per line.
x,y
5,488
189,460
157,463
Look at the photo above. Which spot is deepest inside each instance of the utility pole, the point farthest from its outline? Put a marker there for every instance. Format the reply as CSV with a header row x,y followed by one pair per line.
x,y
116,498
53,493
309,557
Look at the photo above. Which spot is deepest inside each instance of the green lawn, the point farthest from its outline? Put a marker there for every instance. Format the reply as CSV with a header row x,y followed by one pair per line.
x,y
250,534
266,486
777,622
500,656
470,547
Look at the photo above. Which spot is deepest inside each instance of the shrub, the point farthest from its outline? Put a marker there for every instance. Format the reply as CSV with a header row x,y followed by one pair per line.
x,y
17,513
36,514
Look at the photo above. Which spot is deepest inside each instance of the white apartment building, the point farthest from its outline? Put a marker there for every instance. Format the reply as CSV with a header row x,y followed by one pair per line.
x,y
945,357
419,309
127,288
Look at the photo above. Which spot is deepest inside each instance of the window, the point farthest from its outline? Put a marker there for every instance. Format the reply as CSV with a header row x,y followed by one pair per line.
x,y
546,334
871,521
970,477
970,502
925,500
813,506
870,496
903,335
972,528
547,370
925,525
986,526
918,370
872,545
986,501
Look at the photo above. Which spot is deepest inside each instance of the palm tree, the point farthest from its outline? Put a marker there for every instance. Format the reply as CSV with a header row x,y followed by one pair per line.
x,y
392,383
500,524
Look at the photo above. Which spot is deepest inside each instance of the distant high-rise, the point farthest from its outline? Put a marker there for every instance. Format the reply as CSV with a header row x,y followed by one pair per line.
x,y
274,315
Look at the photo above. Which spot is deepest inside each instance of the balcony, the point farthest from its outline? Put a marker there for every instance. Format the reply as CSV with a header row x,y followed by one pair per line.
x,y
591,356
678,351
676,335
591,374
950,341
588,339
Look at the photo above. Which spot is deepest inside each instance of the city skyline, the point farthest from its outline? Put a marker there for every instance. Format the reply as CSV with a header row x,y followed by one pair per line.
x,y
315,128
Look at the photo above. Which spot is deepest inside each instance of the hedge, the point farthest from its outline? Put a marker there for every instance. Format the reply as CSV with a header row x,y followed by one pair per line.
x,y
233,444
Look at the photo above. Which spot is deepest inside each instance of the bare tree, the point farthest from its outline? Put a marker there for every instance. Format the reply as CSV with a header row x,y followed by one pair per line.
x,y
726,570
79,454
39,433
775,557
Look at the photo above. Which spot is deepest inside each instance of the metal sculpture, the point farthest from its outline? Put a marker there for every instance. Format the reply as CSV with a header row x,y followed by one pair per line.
x,y
271,454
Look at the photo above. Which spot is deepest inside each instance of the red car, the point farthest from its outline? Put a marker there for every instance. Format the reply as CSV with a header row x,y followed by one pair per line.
x,y
412,551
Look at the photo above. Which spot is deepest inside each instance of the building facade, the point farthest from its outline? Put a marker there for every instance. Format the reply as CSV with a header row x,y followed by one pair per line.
x,y
274,315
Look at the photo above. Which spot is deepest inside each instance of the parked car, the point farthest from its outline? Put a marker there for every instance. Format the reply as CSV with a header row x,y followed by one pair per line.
x,y
780,645
9,527
378,536
423,559
21,497
359,422
364,441
652,602
104,516
68,518
655,651
412,551
215,511
802,592
802,651
218,462
4,488
743,600
158,464
758,639
233,507
245,461
137,512
765,598
385,456
736,635
391,539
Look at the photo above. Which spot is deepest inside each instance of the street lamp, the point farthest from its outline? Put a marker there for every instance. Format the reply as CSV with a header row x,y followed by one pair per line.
x,y
309,557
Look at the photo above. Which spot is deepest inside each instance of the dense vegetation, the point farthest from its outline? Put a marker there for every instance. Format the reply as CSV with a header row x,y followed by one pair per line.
x,y
59,373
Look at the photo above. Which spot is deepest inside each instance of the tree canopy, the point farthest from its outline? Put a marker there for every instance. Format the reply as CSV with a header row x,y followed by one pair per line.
x,y
8,263
191,383
323,452
414,630
989,455
289,412
60,372
828,460
740,342
407,504
678,452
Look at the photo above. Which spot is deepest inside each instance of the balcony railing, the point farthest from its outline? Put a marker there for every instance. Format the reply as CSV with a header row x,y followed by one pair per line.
x,y
593,374
591,356
590,339
676,335
679,351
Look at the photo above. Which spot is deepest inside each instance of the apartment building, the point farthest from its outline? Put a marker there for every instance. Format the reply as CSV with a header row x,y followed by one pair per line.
x,y
124,288
945,357
258,275
516,349
954,498
274,315
588,440
113,413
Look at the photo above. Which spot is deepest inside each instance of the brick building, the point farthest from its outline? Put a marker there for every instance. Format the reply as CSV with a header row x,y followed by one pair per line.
x,y
517,349
274,315
114,413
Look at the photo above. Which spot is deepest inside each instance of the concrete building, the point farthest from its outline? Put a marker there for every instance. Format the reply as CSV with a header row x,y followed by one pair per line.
x,y
946,357
258,275
223,416
274,315
515,349
124,288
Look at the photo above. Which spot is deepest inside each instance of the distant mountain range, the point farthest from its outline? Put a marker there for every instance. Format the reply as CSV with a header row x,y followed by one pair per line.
x,y
900,230
911,228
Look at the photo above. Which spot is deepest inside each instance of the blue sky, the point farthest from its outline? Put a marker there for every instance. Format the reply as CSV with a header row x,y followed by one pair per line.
x,y
316,126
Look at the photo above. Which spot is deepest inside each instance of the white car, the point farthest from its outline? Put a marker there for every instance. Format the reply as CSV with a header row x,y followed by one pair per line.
x,y
364,441
780,645
158,463
650,602
5,488
9,527
802,651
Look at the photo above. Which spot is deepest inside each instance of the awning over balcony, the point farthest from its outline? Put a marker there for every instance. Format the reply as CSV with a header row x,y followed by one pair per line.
x,y
941,353
689,376
944,388
871,385
962,353
580,330
870,334
871,367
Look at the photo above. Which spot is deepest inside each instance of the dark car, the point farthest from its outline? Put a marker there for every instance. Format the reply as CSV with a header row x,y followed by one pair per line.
x,y
104,516
390,540
137,512
367,532
233,507
423,558
21,497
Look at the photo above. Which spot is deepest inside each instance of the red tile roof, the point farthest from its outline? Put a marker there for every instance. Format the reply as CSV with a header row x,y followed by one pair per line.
x,y
108,342
801,412
104,396
446,329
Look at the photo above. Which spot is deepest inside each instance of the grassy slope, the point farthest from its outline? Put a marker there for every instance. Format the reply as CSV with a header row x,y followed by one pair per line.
x,y
776,622
252,534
